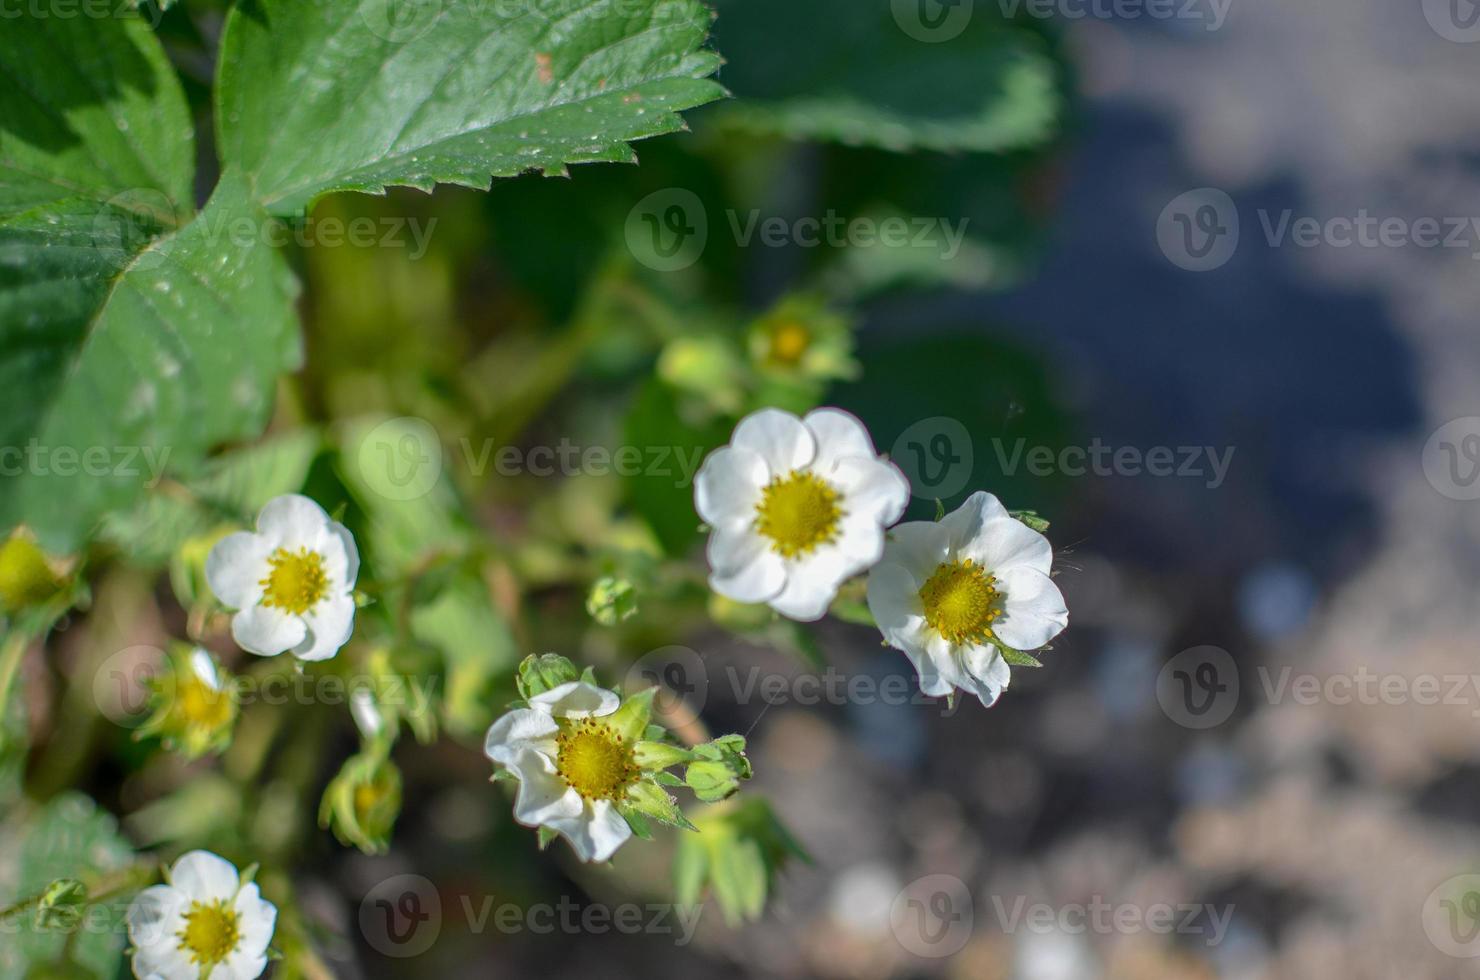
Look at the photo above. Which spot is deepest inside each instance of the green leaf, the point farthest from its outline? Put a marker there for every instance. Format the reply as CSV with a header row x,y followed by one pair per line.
x,y
117,380
837,71
476,645
738,852
68,838
454,93
232,487
90,111
666,500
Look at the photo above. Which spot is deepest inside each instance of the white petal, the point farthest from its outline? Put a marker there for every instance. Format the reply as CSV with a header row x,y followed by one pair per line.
x,y
778,437
291,520
871,487
258,921
543,796
267,630
203,665
596,833
164,959
205,877
934,661
744,567
235,567
510,733
811,585
728,487
341,559
241,965
987,673
1005,543
894,598
966,521
576,699
920,546
1033,610
329,626
155,914
838,435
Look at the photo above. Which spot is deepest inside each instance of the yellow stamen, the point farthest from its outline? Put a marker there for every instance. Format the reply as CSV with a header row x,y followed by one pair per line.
x,y
296,580
961,601
798,512
595,761
211,933
202,705
789,341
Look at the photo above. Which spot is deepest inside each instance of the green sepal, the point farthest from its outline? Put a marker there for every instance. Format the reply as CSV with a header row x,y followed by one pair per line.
x,y
1030,518
648,798
547,836
631,719
653,755
636,821
1018,658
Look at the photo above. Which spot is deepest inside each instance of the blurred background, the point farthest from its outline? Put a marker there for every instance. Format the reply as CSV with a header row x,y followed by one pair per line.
x,y
1192,279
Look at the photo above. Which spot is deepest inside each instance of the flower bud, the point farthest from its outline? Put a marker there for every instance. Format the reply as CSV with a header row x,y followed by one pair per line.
x,y
193,705
362,802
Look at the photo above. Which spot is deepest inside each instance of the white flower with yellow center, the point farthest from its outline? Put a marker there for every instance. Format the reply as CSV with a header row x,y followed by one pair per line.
x,y
951,593
797,506
574,768
291,582
205,923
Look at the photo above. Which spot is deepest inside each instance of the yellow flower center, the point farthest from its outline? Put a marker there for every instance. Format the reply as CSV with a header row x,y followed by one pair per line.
x,y
961,601
295,580
789,341
201,705
212,931
594,760
798,512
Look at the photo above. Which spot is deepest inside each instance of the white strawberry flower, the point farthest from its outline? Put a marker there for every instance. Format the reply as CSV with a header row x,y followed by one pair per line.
x,y
573,767
204,923
796,507
291,582
950,593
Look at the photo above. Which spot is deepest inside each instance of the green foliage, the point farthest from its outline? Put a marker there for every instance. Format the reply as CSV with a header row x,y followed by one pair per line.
x,y
835,70
468,91
69,838
738,852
